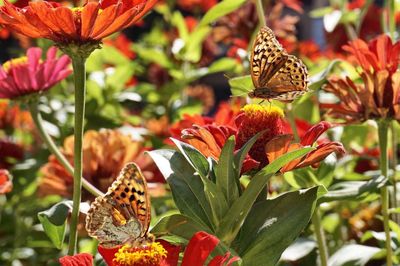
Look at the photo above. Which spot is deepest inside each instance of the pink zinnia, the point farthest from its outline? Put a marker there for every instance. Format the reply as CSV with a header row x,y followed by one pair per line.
x,y
30,74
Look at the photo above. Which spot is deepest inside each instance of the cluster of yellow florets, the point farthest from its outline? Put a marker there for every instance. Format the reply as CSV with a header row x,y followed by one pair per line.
x,y
150,254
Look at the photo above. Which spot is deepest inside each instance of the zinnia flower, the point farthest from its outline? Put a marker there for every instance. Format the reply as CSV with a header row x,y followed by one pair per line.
x,y
162,253
379,95
27,75
5,182
64,25
83,259
105,152
12,117
10,153
282,144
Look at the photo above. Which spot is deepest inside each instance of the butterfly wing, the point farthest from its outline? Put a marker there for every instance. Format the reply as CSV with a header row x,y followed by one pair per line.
x,y
123,213
290,81
276,74
267,57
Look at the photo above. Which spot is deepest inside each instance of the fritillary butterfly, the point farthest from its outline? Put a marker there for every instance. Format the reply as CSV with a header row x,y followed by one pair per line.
x,y
275,73
122,215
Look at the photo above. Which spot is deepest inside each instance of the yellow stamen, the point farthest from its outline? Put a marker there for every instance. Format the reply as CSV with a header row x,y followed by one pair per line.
x,y
255,110
14,62
150,254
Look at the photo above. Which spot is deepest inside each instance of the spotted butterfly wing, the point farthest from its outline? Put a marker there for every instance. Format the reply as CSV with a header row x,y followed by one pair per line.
x,y
122,215
275,73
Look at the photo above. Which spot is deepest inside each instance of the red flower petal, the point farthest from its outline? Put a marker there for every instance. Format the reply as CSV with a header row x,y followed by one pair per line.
x,y
313,133
83,259
108,253
198,249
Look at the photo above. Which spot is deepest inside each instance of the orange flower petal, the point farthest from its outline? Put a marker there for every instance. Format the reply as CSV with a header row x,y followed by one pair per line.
x,y
278,146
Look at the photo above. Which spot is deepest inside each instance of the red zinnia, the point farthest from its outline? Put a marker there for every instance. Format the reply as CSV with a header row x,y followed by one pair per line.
x,y
90,23
83,259
5,181
26,75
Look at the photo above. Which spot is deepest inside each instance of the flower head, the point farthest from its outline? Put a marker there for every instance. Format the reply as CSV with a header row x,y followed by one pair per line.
x,y
5,181
104,154
379,94
89,23
256,118
10,153
282,144
27,75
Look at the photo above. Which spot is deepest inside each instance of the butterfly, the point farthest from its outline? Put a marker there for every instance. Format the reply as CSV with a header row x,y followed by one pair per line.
x,y
275,73
122,215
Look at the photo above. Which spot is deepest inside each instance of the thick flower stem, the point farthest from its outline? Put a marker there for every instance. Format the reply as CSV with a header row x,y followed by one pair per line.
x,y
260,13
394,165
37,119
383,127
319,233
78,63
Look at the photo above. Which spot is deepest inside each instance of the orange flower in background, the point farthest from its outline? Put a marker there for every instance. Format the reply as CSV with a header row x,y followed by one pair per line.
x,y
282,144
12,117
105,152
123,44
89,23
379,95
203,93
5,182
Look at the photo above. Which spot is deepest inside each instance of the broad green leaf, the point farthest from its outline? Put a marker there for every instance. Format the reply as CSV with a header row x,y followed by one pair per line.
x,y
153,55
241,154
225,172
54,222
238,212
187,188
223,65
272,225
353,255
221,9
193,44
178,225
106,55
353,189
214,194
179,22
194,157
121,76
241,85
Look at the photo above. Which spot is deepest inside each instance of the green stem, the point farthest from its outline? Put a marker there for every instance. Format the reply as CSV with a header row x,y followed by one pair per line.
x,y
390,6
383,127
319,233
292,122
394,165
260,13
78,64
37,119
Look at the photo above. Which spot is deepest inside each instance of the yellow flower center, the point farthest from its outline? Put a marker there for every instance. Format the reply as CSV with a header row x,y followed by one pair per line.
x,y
150,254
14,62
257,111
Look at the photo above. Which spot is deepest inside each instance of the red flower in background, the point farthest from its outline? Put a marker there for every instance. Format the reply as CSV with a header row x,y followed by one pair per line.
x,y
92,22
282,144
83,259
191,5
379,95
296,5
5,182
10,153
26,75
123,44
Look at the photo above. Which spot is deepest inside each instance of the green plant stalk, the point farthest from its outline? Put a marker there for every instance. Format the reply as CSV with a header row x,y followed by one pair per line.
x,y
383,127
292,122
319,233
37,119
394,164
260,13
390,6
78,64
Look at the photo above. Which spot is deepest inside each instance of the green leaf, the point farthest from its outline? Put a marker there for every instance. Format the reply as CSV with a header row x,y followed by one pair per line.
x,y
225,173
221,9
214,194
54,222
193,44
238,212
187,188
320,12
194,157
298,249
153,55
353,255
179,22
241,85
178,225
272,225
223,65
241,154
353,189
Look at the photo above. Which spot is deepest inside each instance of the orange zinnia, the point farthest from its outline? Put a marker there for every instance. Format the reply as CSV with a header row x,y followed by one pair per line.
x,y
64,25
